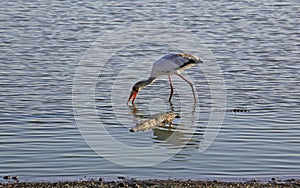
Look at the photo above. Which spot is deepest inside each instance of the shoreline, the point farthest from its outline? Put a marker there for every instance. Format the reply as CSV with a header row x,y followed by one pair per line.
x,y
139,183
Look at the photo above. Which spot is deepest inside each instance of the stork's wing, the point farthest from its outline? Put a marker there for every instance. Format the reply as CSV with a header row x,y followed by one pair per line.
x,y
172,63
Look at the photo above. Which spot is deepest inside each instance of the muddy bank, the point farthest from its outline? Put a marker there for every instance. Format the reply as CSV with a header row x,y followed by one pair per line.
x,y
155,183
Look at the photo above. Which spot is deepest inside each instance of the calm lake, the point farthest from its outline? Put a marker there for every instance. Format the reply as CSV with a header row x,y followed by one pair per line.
x,y
67,68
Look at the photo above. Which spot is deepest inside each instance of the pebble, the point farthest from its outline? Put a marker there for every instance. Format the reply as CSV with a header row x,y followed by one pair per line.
x,y
15,178
6,177
121,184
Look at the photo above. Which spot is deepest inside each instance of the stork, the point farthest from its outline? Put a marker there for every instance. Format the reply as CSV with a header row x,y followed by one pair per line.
x,y
170,64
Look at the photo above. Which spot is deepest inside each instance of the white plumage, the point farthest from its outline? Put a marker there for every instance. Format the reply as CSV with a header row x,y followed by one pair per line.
x,y
173,64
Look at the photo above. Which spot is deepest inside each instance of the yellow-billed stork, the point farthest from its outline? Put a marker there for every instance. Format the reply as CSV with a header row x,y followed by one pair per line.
x,y
170,64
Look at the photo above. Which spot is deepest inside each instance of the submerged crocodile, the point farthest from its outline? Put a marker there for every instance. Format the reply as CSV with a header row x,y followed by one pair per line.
x,y
155,121
235,110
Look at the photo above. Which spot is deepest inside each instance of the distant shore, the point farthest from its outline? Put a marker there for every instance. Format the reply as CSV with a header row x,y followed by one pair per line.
x,y
154,183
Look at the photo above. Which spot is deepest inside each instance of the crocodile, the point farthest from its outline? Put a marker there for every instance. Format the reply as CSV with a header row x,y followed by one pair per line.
x,y
155,120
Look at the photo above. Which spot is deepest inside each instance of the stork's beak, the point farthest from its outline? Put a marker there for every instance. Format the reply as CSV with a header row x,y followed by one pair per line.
x,y
132,96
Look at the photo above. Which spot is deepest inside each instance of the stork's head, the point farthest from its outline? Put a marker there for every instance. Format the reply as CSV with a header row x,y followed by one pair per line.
x,y
135,89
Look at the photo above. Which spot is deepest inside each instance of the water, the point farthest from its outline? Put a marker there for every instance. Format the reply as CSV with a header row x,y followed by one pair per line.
x,y
256,45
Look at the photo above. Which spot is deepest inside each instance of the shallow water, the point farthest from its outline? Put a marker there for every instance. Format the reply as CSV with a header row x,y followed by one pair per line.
x,y
256,46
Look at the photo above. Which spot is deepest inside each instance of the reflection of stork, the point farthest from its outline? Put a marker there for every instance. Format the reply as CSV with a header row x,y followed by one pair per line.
x,y
167,65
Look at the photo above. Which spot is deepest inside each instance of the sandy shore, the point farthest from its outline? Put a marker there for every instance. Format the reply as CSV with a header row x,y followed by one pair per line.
x,y
153,183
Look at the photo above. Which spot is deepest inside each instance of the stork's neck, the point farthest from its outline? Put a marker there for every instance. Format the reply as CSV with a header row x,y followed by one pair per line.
x,y
147,82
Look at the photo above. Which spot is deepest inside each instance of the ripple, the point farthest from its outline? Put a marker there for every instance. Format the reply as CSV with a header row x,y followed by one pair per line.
x,y
256,45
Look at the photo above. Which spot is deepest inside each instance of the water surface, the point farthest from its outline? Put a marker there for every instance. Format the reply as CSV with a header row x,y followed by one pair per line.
x,y
256,45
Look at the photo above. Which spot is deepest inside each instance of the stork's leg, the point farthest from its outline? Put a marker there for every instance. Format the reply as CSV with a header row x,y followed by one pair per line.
x,y
190,83
171,86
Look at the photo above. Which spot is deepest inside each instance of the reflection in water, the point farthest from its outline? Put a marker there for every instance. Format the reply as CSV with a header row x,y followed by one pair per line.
x,y
170,136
